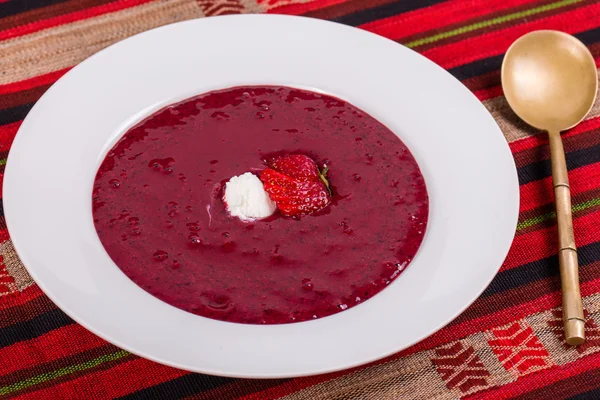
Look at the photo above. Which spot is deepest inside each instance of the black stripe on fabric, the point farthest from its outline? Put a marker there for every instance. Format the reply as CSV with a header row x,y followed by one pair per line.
x,y
539,269
384,11
33,328
490,64
591,395
1,209
543,169
14,114
12,7
476,68
184,386
589,37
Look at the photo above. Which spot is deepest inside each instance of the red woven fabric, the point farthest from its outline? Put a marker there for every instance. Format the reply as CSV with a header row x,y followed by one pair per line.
x,y
508,344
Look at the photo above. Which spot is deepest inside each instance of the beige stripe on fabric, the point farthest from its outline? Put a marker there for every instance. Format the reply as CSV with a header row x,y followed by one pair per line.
x,y
225,7
66,45
560,353
14,266
416,377
411,377
555,344
253,7
592,303
499,375
513,127
272,4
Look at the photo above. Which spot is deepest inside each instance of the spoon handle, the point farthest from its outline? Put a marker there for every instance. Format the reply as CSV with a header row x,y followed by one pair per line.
x,y
573,318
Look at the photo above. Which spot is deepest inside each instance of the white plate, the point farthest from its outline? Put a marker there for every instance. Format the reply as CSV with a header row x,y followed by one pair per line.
x,y
467,165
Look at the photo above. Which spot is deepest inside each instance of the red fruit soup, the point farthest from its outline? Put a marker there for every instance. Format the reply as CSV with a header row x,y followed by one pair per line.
x,y
158,208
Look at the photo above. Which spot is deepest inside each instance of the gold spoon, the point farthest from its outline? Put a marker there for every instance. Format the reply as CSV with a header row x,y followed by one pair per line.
x,y
550,81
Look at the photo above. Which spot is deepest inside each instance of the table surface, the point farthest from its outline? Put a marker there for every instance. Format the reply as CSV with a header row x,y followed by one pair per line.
x,y
508,344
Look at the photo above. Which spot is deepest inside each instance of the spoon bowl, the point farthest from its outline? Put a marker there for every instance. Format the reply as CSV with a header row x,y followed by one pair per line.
x,y
550,81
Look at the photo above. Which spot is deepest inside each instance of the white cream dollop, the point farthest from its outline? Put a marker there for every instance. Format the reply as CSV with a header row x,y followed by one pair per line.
x,y
246,198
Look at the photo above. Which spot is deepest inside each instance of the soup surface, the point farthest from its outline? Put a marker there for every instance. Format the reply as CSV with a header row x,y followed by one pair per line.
x,y
158,208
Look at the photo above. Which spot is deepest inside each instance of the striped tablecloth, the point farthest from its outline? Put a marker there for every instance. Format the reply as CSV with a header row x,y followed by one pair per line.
x,y
508,344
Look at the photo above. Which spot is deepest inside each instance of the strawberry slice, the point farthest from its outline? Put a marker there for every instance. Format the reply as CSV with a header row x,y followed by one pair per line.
x,y
295,183
300,167
297,166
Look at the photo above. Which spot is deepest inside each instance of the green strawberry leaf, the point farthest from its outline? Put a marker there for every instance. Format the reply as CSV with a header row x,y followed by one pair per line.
x,y
322,175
